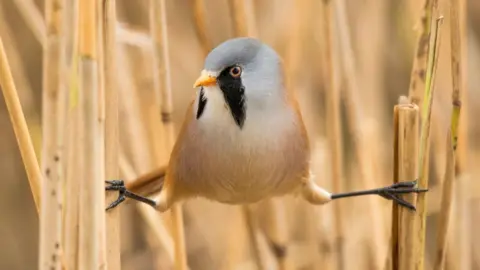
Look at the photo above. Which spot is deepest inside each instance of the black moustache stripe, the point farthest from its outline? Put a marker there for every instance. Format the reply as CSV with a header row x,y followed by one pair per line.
x,y
234,94
202,101
236,102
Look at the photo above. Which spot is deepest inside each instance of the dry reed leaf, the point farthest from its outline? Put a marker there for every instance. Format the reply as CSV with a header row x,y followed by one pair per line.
x,y
419,241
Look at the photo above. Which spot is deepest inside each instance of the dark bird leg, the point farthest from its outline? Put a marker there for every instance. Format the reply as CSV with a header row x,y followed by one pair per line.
x,y
389,193
123,193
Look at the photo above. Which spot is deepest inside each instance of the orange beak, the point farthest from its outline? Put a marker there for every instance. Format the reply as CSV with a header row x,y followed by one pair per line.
x,y
205,80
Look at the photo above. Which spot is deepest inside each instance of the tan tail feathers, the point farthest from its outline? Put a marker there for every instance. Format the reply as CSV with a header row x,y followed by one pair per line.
x,y
149,183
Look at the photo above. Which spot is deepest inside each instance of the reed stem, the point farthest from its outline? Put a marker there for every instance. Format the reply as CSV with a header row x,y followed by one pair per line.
x,y
420,226
74,155
243,18
334,132
20,128
452,136
406,168
199,15
163,88
359,133
33,18
51,245
111,131
92,184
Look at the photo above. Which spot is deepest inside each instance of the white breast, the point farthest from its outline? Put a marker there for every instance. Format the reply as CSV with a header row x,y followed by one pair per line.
x,y
232,165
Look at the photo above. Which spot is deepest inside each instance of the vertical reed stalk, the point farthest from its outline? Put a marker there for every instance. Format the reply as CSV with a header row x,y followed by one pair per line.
x,y
20,128
33,18
420,217
158,24
360,135
460,54
19,72
463,148
252,230
406,168
446,205
199,15
138,143
334,125
277,233
243,18
92,185
74,152
452,138
72,187
111,131
293,39
154,221
51,246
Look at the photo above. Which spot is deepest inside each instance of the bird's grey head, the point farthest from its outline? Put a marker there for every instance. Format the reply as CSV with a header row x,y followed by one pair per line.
x,y
247,72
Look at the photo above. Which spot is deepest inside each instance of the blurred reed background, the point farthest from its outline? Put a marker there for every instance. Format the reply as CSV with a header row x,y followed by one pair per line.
x,y
143,67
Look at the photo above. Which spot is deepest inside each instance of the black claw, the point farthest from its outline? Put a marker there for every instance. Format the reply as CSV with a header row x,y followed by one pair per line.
x,y
118,201
116,185
123,193
391,192
410,184
115,182
400,201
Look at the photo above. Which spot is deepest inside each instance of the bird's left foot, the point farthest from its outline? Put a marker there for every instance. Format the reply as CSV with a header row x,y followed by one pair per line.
x,y
123,193
392,192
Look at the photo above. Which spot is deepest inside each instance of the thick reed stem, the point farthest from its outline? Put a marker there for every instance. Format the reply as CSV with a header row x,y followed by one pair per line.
x,y
406,168
51,245
92,194
111,131
73,145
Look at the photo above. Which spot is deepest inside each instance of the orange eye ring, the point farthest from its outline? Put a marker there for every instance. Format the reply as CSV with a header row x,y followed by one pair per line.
x,y
235,71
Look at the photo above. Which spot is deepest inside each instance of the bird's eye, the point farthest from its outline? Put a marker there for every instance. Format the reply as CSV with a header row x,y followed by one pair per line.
x,y
235,71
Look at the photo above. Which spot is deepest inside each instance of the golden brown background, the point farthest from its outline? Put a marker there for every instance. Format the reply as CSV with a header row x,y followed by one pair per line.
x,y
383,35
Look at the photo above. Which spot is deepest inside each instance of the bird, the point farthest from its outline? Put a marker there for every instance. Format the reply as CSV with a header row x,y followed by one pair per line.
x,y
243,139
